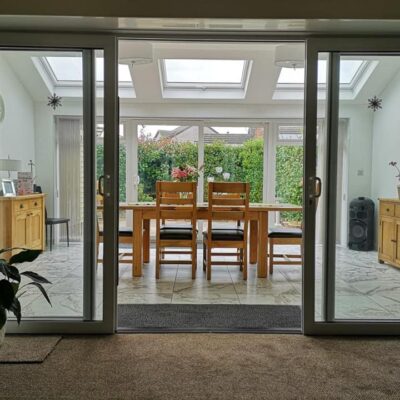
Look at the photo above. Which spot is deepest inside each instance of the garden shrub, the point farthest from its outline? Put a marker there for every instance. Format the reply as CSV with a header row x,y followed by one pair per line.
x,y
244,163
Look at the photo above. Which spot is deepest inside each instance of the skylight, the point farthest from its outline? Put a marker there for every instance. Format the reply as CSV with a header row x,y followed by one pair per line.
x,y
204,73
69,69
348,71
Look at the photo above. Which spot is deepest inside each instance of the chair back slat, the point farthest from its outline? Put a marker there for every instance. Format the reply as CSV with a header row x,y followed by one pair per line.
x,y
175,187
225,201
175,201
221,188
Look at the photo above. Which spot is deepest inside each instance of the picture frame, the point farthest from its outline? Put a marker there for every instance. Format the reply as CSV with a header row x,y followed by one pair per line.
x,y
8,187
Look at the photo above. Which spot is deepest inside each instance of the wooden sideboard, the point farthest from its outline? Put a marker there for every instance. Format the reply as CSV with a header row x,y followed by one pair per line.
x,y
22,222
389,232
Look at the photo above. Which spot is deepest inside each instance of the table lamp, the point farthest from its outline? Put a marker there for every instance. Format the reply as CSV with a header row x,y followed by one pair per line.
x,y
7,164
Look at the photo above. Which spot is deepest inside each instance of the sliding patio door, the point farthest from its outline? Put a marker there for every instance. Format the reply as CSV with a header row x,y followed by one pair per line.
x,y
352,274
52,95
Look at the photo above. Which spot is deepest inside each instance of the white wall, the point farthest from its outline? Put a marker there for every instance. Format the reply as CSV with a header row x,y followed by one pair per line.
x,y
359,146
17,135
386,142
45,147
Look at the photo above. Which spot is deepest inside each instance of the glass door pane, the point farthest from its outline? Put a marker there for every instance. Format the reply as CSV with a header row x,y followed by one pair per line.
x,y
367,251
45,151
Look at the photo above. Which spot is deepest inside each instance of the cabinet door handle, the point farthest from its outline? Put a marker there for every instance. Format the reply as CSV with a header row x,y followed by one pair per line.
x,y
35,204
21,206
388,209
394,240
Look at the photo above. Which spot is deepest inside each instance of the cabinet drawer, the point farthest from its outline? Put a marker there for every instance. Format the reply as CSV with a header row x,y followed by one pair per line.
x,y
22,205
387,209
37,203
397,211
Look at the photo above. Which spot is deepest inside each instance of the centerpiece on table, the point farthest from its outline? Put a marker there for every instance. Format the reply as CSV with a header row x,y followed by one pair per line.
x,y
11,287
185,173
394,164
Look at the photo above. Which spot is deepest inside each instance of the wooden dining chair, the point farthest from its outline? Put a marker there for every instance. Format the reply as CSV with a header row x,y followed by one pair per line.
x,y
125,236
176,201
287,236
226,208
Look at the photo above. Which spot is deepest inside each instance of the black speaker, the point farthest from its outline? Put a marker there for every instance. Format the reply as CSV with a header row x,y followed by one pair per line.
x,y
361,224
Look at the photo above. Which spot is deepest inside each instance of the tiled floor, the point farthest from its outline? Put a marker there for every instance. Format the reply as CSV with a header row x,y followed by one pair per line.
x,y
364,288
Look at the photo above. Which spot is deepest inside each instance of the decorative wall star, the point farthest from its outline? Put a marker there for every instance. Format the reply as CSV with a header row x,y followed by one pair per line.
x,y
374,103
54,101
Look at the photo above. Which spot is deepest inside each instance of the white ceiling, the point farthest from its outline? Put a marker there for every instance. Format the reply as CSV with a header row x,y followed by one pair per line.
x,y
147,80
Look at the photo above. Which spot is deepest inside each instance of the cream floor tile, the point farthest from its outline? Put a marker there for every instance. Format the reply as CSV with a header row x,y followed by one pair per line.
x,y
127,296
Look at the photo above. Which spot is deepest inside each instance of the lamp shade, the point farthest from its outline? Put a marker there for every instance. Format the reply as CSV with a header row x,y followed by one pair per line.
x,y
135,52
290,56
7,164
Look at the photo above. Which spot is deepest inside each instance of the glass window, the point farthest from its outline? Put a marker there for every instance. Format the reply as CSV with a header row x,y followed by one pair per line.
x,y
204,71
70,69
234,154
348,71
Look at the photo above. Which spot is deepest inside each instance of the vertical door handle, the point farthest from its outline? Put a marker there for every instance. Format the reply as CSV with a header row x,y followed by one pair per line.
x,y
318,187
101,185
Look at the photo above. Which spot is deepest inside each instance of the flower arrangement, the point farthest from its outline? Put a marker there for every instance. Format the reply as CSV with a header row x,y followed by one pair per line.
x,y
221,175
184,174
394,164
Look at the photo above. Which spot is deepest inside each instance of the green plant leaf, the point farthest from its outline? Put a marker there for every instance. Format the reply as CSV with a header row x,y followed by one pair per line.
x,y
3,316
3,268
25,256
35,277
6,294
41,288
13,273
16,309
15,286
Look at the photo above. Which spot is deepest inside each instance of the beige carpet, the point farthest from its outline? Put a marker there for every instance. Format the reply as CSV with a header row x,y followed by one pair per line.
x,y
27,349
210,366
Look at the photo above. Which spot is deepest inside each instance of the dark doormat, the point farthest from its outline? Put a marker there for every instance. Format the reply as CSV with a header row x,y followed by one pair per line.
x,y
208,317
27,349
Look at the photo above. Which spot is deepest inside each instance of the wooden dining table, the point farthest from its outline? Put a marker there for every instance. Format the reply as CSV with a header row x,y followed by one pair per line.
x,y
144,212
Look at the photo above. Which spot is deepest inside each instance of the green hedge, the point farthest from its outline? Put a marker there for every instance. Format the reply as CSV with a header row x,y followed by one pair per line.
x,y
244,163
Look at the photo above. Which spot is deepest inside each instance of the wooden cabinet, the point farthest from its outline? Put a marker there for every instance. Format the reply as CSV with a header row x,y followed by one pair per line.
x,y
22,220
389,231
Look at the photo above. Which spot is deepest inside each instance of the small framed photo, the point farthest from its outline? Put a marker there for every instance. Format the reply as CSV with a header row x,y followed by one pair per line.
x,y
8,187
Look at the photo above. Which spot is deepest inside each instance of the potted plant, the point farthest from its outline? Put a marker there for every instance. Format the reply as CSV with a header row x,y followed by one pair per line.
x,y
394,165
11,287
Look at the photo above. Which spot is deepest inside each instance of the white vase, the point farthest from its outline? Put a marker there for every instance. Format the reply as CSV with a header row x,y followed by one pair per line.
x,y
398,191
2,333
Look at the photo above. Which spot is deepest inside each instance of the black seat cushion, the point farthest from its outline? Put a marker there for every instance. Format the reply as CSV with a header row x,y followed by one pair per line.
x,y
55,221
123,231
225,234
177,233
285,233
